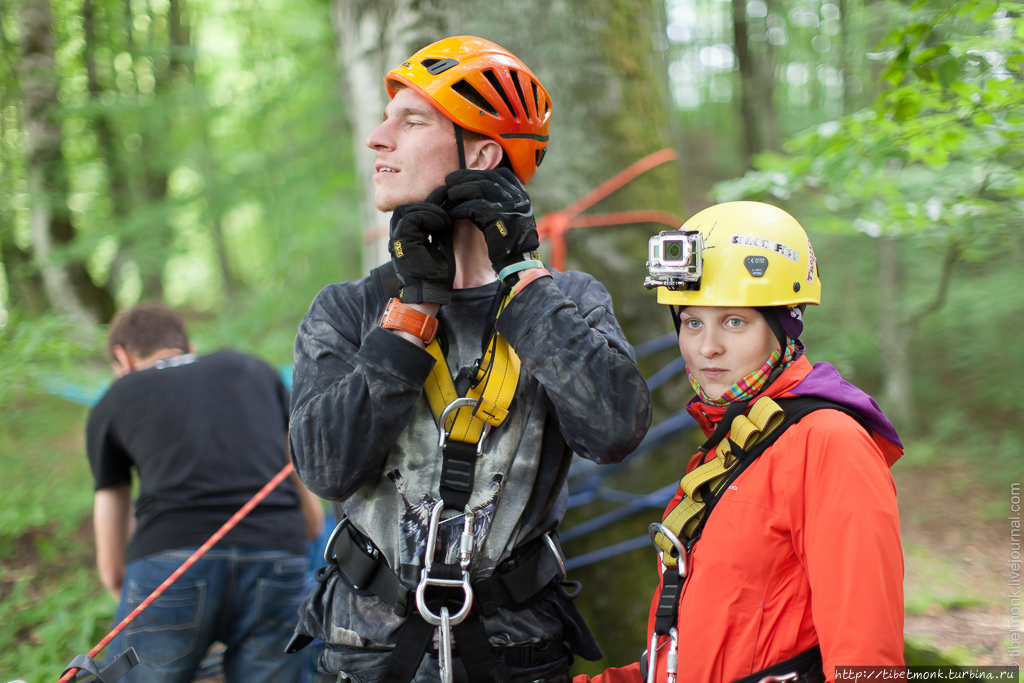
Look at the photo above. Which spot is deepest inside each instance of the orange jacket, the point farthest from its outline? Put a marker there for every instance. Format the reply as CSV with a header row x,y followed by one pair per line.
x,y
803,549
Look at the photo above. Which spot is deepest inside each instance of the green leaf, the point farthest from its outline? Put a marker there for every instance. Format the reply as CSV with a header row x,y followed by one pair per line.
x,y
906,108
985,12
948,72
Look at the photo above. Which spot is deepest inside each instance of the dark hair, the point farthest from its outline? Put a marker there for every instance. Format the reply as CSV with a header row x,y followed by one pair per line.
x,y
147,328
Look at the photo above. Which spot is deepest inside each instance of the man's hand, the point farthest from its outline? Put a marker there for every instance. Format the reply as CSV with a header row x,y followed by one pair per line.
x,y
423,253
495,202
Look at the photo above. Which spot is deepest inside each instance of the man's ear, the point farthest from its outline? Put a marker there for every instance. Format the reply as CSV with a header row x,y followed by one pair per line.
x,y
484,155
123,362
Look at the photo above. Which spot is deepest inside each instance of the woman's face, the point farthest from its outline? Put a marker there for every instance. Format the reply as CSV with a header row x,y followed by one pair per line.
x,y
723,345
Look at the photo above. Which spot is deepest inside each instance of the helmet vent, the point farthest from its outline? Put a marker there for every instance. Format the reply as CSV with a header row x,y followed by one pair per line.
x,y
519,91
474,96
438,66
539,155
493,79
536,98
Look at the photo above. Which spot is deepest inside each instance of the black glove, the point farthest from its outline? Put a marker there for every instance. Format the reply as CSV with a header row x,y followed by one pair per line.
x,y
421,249
497,203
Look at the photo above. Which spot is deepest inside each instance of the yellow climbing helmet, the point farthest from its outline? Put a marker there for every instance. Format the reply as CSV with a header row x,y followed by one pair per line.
x,y
746,254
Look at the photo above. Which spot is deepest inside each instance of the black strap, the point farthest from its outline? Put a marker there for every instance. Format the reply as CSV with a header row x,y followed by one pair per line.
x,y
115,671
412,640
775,325
527,576
667,613
365,567
724,425
461,145
807,665
458,462
482,664
796,409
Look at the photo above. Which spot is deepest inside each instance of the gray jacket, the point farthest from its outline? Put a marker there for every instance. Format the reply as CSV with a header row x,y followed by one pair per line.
x,y
361,434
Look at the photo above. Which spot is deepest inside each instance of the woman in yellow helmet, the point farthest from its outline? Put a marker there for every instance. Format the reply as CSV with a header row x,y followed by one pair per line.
x,y
780,553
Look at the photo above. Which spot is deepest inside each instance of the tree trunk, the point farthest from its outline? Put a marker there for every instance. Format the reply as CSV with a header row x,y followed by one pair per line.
x,y
748,85
894,333
373,38
67,283
117,180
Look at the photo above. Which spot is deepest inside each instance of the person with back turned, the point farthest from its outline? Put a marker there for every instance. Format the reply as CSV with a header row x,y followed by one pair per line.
x,y
203,434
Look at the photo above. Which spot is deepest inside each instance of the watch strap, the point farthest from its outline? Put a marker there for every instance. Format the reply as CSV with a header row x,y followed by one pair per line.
x,y
405,318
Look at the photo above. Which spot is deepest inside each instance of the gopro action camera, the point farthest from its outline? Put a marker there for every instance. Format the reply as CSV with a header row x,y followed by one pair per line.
x,y
674,260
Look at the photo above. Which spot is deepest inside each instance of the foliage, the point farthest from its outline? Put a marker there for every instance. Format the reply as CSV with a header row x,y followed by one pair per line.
x,y
939,155
935,166
51,603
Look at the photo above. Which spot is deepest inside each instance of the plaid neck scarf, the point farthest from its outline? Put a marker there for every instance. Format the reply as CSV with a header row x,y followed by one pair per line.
x,y
751,385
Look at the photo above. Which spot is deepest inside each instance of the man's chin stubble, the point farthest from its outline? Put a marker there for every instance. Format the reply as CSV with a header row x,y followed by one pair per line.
x,y
389,203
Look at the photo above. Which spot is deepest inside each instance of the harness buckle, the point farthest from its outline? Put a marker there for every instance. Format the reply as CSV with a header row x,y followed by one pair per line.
x,y
426,580
464,402
791,676
659,528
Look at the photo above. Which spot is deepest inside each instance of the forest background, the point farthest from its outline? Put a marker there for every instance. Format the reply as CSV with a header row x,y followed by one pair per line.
x,y
210,154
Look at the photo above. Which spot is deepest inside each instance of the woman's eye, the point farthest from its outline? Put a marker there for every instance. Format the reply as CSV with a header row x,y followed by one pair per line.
x,y
692,323
733,322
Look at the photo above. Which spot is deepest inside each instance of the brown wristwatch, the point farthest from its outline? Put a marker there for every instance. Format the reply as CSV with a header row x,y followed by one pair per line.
x,y
398,316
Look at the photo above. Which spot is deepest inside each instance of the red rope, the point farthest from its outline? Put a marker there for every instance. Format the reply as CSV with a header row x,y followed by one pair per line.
x,y
618,180
555,225
626,217
228,526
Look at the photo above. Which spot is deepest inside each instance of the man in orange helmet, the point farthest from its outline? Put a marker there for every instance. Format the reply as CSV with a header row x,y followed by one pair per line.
x,y
437,402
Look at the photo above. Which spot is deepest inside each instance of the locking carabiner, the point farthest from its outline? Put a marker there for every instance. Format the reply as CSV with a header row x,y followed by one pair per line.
x,y
426,580
672,656
464,402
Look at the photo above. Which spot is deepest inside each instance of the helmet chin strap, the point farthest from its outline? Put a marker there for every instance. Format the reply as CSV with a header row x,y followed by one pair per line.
x,y
772,318
461,146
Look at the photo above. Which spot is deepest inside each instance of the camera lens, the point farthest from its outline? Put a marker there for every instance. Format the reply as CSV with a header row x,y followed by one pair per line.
x,y
674,251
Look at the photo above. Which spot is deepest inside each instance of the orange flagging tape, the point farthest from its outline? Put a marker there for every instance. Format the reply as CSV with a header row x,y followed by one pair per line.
x,y
219,534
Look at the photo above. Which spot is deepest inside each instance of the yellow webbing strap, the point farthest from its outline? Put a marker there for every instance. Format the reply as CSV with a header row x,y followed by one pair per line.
x,y
746,431
495,386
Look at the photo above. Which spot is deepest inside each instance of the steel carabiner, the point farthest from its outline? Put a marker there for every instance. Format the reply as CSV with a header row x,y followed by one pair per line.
x,y
426,580
659,528
464,402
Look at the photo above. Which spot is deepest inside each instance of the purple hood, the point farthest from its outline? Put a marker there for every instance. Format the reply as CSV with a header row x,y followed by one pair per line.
x,y
824,381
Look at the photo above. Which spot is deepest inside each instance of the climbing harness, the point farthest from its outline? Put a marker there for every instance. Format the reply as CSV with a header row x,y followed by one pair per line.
x,y
446,599
709,479
738,440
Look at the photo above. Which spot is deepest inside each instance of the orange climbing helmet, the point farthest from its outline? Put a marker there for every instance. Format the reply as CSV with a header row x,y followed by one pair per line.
x,y
484,88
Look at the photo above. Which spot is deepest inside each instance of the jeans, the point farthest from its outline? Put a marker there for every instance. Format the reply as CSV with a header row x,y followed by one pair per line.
x,y
246,598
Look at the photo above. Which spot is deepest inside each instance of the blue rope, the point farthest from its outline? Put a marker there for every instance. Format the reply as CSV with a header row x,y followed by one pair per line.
x,y
57,384
607,553
586,478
